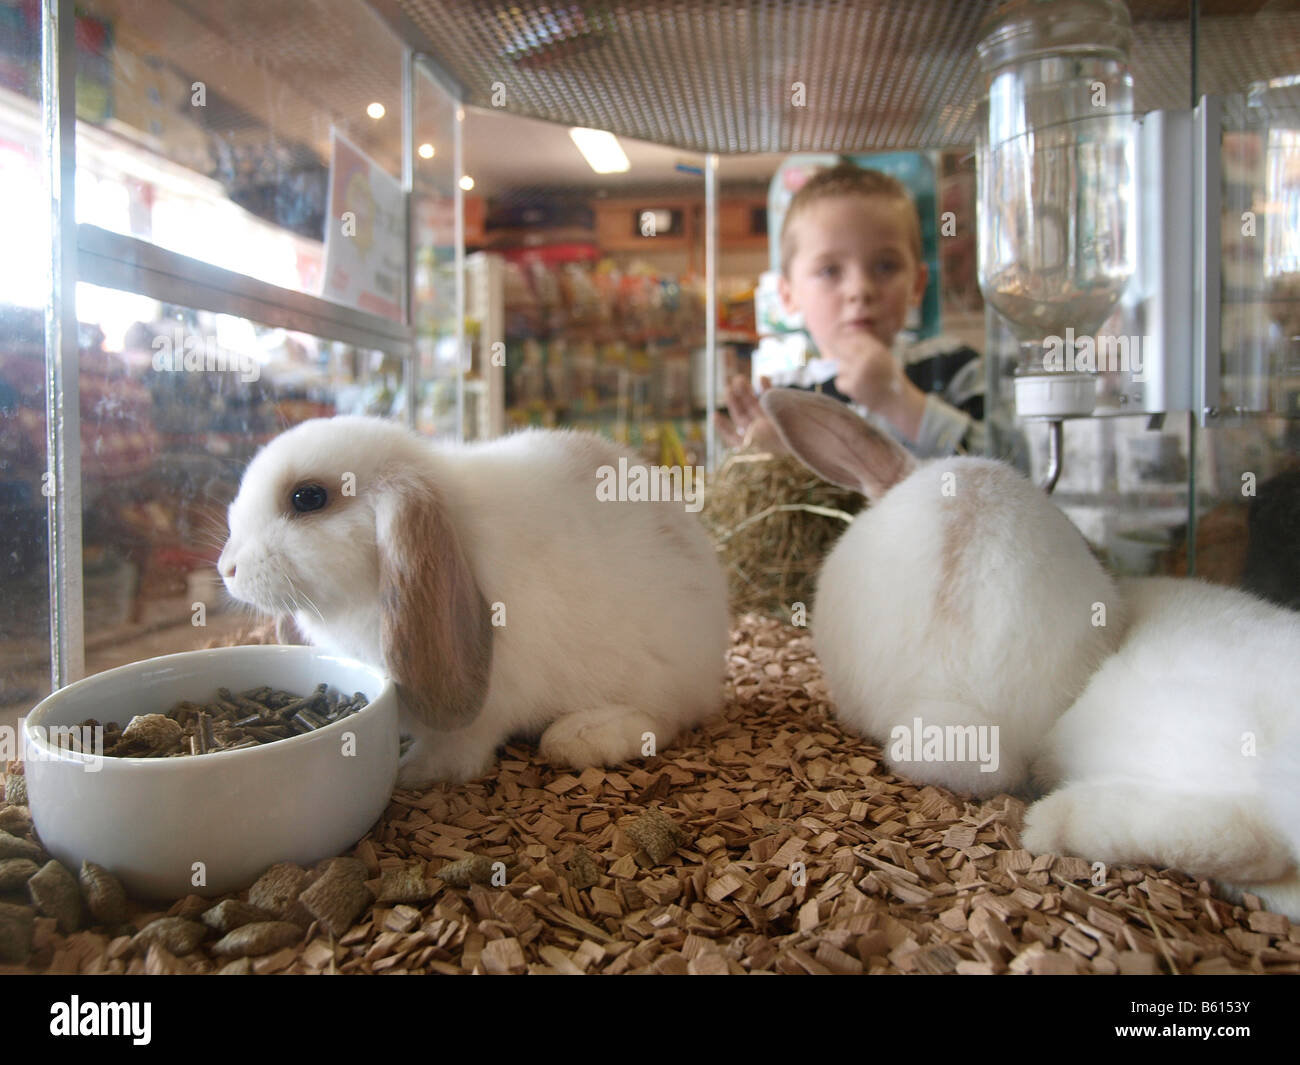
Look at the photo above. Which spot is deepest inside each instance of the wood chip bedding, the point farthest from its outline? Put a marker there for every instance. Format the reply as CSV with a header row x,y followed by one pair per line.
x,y
768,840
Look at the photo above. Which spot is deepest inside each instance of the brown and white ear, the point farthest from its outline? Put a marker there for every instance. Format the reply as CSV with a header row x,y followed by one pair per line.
x,y
435,626
837,445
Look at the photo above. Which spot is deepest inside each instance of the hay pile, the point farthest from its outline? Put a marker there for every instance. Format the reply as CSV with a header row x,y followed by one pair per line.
x,y
769,840
773,523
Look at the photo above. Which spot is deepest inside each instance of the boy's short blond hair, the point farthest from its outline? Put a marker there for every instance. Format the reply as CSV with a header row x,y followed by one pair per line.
x,y
845,179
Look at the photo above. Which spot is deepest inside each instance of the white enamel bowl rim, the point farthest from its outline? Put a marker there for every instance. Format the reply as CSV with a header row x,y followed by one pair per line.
x,y
70,692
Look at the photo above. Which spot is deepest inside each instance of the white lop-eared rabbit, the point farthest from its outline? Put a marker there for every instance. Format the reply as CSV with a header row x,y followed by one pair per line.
x,y
959,615
963,596
1184,749
492,583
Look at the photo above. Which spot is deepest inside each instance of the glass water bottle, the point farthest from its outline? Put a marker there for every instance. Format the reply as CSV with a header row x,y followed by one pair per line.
x,y
1056,186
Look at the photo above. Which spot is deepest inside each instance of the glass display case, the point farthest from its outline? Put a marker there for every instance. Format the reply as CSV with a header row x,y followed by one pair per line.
x,y
1186,466
280,191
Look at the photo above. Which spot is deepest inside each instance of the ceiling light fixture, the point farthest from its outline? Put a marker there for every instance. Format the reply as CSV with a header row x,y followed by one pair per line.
x,y
375,110
425,150
601,150
467,183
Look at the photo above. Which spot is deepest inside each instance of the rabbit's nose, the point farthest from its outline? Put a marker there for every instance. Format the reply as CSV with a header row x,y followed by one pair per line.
x,y
226,569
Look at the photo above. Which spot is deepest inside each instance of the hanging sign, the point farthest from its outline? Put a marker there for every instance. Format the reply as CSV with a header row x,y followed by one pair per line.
x,y
365,260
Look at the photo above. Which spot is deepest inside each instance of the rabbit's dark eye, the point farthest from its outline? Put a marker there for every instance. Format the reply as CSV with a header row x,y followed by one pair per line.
x,y
309,497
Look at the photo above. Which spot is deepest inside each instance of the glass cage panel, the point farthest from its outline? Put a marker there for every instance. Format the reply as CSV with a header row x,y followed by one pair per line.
x,y
211,133
24,542
1248,487
174,404
435,307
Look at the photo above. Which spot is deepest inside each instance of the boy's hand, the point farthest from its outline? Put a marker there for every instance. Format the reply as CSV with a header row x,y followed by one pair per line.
x,y
748,425
868,372
871,377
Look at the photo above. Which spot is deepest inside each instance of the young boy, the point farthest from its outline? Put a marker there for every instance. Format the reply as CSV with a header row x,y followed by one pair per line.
x,y
851,261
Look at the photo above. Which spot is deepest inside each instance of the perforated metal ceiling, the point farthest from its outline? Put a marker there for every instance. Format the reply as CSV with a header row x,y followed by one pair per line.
x,y
877,74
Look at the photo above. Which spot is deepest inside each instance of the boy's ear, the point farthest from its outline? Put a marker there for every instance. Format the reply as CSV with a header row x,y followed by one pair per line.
x,y
922,279
786,292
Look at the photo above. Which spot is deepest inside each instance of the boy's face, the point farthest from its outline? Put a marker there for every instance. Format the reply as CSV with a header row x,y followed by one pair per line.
x,y
854,273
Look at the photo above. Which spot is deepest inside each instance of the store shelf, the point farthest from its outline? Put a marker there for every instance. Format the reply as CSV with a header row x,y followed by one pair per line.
x,y
116,261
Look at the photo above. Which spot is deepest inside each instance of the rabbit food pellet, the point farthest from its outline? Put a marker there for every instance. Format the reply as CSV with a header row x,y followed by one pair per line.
x,y
15,872
15,819
276,891
473,870
657,834
261,937
230,914
178,935
103,894
229,723
55,893
17,927
338,897
13,847
16,789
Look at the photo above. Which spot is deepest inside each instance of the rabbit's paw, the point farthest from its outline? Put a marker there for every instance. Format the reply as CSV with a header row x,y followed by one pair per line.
x,y
603,735
428,763
1048,824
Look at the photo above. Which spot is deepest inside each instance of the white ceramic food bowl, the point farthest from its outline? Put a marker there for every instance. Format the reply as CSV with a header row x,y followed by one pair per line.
x,y
150,820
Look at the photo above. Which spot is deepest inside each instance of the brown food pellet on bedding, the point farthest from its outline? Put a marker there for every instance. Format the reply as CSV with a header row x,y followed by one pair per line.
x,y
276,891
262,937
13,847
15,872
657,835
404,883
103,893
55,893
15,819
475,870
230,914
17,929
338,897
16,789
177,935
584,872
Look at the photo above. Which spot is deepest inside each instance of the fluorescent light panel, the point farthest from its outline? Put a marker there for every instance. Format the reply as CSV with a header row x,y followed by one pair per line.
x,y
601,150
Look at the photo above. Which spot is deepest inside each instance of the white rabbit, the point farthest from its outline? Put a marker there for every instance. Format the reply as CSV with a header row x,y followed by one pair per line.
x,y
961,608
1184,749
490,581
